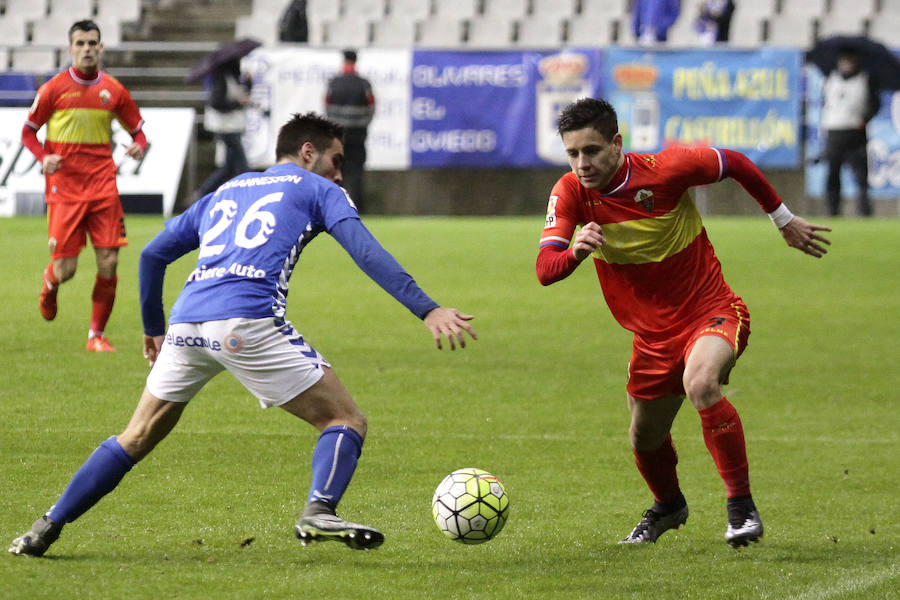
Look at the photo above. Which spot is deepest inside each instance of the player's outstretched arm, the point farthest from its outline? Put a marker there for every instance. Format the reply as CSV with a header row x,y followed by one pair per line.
x,y
800,234
452,323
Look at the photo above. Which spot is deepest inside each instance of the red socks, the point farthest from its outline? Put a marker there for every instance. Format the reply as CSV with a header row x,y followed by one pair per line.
x,y
103,297
658,468
50,277
724,437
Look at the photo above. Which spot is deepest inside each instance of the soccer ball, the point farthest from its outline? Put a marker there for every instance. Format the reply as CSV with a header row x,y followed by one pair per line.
x,y
470,506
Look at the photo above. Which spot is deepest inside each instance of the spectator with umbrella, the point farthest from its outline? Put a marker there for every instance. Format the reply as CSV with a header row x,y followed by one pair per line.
x,y
856,70
225,114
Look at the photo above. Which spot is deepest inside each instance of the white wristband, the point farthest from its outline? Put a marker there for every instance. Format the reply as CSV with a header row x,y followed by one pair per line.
x,y
781,216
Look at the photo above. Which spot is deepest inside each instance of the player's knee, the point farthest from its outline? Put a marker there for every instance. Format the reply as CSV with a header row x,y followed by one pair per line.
x,y
701,388
644,437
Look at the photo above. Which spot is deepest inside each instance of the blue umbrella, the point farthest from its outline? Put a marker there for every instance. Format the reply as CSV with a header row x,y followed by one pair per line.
x,y
875,58
221,55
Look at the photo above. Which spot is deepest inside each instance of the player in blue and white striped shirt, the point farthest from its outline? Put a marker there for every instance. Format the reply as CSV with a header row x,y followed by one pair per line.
x,y
231,316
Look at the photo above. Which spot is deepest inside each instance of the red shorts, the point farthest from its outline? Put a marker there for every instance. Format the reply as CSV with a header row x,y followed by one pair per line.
x,y
657,368
69,224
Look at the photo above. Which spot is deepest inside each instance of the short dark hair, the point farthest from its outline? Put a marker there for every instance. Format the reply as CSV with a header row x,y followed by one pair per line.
x,y
589,112
83,25
350,55
310,127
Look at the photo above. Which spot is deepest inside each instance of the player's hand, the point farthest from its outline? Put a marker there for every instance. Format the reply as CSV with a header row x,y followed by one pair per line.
x,y
587,240
152,346
135,151
449,322
800,234
51,163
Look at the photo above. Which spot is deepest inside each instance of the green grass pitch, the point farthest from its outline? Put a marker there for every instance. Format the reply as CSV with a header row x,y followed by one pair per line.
x,y
538,400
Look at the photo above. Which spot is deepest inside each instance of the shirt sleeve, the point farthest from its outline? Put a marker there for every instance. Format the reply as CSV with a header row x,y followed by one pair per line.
x,y
177,239
747,174
555,261
128,113
380,266
42,108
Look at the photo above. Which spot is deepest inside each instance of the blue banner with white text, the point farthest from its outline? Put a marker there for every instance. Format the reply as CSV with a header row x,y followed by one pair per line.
x,y
495,109
744,100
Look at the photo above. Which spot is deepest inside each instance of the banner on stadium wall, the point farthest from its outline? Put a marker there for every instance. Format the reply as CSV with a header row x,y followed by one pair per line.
x,y
288,80
448,108
495,109
168,132
884,146
744,100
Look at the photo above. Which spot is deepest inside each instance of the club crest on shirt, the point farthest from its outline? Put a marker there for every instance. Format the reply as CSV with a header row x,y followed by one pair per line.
x,y
644,198
105,96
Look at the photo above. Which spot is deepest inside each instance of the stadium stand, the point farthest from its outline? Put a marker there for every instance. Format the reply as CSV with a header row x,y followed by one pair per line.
x,y
806,8
491,31
27,9
885,27
746,30
125,11
373,10
72,9
791,30
394,30
416,9
510,9
40,61
597,31
853,8
437,32
455,9
604,8
841,24
13,30
553,9
348,31
539,31
262,28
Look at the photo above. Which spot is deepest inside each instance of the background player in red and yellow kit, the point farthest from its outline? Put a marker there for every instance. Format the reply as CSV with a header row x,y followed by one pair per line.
x,y
78,106
662,281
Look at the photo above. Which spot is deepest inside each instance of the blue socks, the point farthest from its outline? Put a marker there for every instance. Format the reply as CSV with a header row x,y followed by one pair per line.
x,y
333,463
99,475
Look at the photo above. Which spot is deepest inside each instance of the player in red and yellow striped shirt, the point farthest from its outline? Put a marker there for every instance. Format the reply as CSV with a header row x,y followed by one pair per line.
x,y
78,106
662,281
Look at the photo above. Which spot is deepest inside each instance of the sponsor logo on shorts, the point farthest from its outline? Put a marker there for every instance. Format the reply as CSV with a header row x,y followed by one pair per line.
x,y
52,243
233,343
193,342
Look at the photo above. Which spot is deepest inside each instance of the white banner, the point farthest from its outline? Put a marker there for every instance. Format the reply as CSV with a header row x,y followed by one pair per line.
x,y
168,132
289,80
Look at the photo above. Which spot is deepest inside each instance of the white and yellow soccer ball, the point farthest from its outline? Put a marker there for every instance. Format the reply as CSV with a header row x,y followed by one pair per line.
x,y
470,506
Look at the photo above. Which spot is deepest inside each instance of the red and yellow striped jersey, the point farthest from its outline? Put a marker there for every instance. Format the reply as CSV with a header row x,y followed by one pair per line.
x,y
78,113
657,268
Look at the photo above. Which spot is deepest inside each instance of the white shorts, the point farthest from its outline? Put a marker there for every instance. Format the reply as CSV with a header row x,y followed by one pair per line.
x,y
267,356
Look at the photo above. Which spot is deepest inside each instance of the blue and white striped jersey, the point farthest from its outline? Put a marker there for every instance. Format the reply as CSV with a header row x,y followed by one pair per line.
x,y
250,233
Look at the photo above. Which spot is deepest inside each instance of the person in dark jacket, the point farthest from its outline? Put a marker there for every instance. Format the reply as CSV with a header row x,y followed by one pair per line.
x,y
350,103
225,116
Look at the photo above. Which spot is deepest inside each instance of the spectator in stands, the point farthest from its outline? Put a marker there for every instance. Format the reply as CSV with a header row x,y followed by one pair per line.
x,y
225,116
714,21
350,103
850,101
82,198
651,19
293,26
